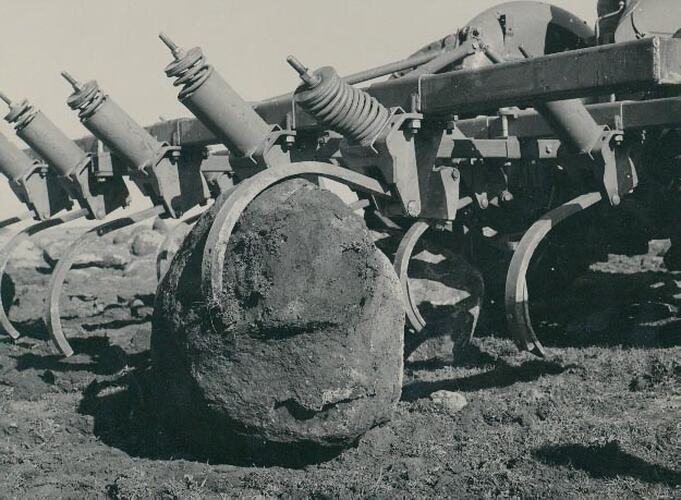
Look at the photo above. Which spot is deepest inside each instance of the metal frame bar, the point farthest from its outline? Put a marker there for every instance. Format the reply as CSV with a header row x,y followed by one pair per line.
x,y
628,67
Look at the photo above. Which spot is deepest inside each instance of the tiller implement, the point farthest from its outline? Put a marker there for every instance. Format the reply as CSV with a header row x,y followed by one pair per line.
x,y
492,136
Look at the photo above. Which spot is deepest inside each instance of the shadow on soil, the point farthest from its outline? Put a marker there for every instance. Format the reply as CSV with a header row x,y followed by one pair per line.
x,y
127,417
607,462
604,309
503,375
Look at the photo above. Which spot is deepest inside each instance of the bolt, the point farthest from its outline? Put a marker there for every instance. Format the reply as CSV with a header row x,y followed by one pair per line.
x,y
506,196
615,200
483,201
413,208
290,139
548,149
415,125
177,51
77,86
310,80
455,174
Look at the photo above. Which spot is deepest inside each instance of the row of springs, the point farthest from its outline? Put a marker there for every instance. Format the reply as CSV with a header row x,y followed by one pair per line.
x,y
189,68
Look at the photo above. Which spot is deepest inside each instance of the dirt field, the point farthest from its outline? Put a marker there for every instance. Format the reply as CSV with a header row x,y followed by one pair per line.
x,y
598,417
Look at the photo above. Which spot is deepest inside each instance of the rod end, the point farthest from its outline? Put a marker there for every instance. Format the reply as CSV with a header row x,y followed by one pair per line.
x,y
174,48
301,69
77,86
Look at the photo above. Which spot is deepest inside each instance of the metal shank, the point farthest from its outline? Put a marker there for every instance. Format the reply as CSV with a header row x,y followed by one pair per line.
x,y
401,264
6,253
52,316
516,295
236,202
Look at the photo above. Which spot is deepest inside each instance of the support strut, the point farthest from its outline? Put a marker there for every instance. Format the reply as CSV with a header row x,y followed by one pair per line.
x,y
516,294
6,253
52,317
244,193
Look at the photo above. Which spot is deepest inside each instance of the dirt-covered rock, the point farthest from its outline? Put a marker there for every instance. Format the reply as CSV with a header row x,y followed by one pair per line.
x,y
304,346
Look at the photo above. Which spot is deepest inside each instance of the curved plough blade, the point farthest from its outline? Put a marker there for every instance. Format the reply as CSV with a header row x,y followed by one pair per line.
x,y
6,253
516,294
235,202
52,317
402,258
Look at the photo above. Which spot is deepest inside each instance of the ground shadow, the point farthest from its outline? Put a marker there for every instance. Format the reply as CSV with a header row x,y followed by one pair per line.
x,y
104,357
608,461
128,416
503,375
605,309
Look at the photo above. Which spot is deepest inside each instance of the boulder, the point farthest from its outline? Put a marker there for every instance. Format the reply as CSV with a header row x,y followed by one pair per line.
x,y
305,345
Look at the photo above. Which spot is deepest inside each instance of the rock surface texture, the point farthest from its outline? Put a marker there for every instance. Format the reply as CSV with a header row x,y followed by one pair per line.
x,y
305,345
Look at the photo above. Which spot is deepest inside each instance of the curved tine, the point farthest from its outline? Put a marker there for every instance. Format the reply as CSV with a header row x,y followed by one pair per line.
x,y
13,220
162,254
236,202
6,253
401,264
516,295
52,317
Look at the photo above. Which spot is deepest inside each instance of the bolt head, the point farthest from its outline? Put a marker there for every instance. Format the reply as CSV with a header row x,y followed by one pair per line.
x,y
413,208
616,200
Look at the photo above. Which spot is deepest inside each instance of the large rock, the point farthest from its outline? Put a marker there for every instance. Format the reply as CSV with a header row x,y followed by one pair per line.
x,y
305,345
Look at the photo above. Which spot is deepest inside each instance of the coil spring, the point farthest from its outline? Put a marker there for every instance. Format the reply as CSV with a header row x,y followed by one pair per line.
x,y
87,101
21,115
347,110
191,70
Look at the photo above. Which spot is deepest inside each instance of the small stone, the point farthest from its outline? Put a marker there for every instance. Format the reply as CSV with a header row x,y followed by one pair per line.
x,y
145,242
452,402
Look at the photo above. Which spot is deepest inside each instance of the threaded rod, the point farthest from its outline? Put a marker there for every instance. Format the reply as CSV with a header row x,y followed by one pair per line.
x,y
301,69
174,48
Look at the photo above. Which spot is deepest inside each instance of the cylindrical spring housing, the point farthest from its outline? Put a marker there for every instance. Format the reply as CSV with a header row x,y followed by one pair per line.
x,y
573,123
45,138
214,102
113,126
13,161
348,110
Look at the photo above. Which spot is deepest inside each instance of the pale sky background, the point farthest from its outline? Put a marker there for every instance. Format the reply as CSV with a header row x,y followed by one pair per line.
x,y
115,42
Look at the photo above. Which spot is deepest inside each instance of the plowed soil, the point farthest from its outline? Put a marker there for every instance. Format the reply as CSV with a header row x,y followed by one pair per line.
x,y
599,416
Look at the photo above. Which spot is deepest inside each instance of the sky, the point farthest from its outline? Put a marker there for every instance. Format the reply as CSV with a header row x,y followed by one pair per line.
x,y
115,43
